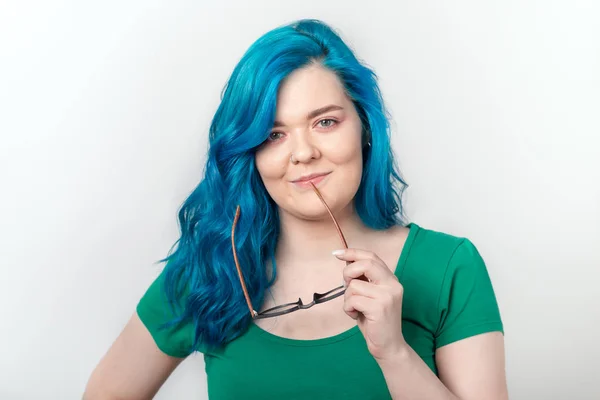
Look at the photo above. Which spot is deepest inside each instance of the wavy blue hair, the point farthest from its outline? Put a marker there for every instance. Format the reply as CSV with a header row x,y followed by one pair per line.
x,y
200,273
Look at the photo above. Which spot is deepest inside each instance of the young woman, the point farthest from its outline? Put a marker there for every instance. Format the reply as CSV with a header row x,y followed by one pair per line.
x,y
301,196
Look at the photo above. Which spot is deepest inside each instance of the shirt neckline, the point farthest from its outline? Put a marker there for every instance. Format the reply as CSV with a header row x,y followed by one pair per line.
x,y
413,229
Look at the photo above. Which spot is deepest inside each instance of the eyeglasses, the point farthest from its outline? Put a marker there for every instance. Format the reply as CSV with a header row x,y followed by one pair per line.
x,y
318,298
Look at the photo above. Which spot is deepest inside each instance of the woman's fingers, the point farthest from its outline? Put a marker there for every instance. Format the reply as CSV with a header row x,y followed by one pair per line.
x,y
362,297
375,272
365,263
355,305
358,288
355,255
361,288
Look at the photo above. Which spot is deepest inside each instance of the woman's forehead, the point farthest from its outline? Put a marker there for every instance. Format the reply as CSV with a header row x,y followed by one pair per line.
x,y
309,89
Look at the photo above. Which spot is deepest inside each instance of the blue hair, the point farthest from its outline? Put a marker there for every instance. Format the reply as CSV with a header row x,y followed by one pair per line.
x,y
200,273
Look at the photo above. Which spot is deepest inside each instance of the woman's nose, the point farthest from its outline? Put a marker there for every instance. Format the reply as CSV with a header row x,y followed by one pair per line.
x,y
303,149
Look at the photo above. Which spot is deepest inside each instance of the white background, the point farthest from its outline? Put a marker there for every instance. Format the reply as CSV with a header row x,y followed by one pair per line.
x,y
104,112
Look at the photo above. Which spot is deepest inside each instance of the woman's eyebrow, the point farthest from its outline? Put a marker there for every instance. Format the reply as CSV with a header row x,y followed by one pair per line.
x,y
314,113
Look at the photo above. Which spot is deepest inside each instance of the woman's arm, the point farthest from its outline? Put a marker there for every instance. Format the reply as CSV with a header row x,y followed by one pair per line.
x,y
134,368
469,369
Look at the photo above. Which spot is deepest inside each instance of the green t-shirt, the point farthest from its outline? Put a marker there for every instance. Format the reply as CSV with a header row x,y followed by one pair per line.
x,y
448,296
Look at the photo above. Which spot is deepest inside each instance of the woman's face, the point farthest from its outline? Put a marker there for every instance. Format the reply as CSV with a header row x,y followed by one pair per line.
x,y
317,124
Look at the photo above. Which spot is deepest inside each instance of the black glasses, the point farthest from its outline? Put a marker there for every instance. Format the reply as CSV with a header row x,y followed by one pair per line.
x,y
318,298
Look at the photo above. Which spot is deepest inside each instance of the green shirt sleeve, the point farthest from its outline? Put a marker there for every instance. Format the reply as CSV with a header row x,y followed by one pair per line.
x,y
154,311
467,304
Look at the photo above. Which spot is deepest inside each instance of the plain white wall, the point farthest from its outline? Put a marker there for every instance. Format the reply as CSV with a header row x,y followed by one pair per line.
x,y
104,111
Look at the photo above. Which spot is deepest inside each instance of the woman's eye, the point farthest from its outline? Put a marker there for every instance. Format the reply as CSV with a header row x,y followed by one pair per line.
x,y
275,136
327,123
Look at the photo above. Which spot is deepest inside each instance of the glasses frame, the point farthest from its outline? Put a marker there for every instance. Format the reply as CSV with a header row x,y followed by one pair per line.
x,y
287,308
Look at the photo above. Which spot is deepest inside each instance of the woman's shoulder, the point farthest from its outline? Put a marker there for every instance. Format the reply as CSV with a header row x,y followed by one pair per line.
x,y
443,255
424,253
440,269
427,261
159,316
434,248
447,286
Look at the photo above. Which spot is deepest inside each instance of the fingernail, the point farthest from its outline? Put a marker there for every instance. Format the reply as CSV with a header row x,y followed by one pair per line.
x,y
337,252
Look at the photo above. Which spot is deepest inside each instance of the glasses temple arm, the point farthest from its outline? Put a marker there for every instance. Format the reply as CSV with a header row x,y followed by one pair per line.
x,y
237,263
337,226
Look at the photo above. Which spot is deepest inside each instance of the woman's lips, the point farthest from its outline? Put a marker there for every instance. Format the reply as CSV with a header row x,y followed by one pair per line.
x,y
305,183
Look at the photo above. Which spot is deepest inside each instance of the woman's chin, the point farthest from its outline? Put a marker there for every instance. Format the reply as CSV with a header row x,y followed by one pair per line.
x,y
313,210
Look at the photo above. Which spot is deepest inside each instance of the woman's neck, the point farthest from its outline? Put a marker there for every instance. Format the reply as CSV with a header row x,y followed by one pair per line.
x,y
306,241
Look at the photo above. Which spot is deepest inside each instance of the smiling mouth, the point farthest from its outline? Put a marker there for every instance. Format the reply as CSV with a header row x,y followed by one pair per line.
x,y
314,179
